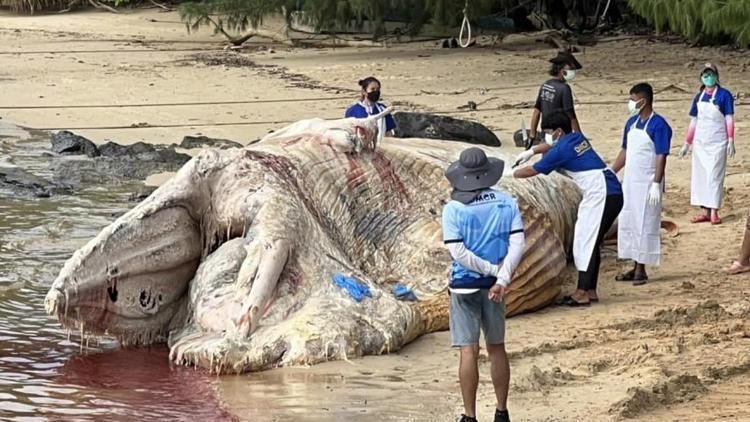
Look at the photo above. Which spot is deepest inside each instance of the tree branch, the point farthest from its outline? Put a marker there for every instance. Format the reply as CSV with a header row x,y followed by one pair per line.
x,y
98,5
159,5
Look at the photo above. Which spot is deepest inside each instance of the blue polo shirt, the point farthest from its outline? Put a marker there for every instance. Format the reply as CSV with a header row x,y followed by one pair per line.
x,y
658,130
360,112
574,153
724,100
484,227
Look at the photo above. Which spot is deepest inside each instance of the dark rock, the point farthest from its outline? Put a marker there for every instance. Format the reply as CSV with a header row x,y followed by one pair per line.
x,y
144,152
21,182
421,125
190,142
69,143
118,162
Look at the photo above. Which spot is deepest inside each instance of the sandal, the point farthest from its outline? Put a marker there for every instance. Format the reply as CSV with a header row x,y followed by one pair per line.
x,y
569,301
715,221
738,268
626,276
702,218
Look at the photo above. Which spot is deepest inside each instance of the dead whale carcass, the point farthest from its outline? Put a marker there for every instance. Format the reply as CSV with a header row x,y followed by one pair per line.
x,y
231,261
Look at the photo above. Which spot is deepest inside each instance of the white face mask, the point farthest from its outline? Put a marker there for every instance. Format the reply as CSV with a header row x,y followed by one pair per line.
x,y
548,138
633,107
569,75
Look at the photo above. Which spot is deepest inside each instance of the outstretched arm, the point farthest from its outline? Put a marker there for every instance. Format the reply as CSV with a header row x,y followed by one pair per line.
x,y
525,172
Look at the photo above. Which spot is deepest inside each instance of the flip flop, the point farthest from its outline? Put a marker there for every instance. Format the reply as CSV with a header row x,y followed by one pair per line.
x,y
626,276
715,221
569,301
738,268
702,218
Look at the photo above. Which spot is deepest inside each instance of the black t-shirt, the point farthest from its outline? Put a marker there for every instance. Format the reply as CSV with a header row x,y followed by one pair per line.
x,y
555,95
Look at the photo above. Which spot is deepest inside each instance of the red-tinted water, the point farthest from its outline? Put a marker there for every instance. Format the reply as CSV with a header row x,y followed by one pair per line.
x,y
44,374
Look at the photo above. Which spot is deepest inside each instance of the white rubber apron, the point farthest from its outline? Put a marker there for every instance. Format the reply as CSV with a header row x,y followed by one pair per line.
x,y
638,228
590,211
709,155
381,121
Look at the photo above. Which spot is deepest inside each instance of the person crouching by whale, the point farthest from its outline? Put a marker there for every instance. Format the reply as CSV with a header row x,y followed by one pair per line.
x,y
602,199
483,230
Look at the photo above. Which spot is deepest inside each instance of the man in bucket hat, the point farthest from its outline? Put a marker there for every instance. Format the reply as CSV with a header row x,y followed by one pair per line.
x,y
483,231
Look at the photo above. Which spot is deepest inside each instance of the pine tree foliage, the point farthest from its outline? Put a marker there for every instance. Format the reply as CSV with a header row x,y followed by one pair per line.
x,y
698,19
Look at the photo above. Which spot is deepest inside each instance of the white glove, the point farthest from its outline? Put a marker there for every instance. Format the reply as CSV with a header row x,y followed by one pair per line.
x,y
731,149
654,194
685,150
524,157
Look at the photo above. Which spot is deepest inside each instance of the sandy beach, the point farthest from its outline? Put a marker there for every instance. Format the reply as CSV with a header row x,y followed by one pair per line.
x,y
676,349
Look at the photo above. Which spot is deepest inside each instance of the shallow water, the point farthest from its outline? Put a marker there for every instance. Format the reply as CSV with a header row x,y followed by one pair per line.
x,y
46,373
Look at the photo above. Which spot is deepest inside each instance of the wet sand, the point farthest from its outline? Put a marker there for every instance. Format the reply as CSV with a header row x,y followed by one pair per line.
x,y
677,348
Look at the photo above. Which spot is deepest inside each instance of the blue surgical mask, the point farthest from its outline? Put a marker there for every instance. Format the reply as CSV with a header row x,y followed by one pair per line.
x,y
709,80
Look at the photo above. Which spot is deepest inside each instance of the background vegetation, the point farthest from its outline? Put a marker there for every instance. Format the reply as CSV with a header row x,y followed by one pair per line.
x,y
709,21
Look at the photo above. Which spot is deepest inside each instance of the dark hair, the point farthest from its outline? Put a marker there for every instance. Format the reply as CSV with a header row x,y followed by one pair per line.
x,y
645,90
557,120
555,69
364,83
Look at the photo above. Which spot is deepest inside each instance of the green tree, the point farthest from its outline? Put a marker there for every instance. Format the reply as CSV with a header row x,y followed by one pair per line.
x,y
709,20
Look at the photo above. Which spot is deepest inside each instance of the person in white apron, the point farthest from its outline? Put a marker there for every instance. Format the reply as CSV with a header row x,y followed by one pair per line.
x,y
572,154
646,141
368,105
711,136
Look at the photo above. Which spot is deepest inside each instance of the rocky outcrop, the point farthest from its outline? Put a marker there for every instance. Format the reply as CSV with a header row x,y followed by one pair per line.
x,y
68,143
431,126
110,161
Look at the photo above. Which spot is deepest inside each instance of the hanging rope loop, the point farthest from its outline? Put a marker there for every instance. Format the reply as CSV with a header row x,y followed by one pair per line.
x,y
465,26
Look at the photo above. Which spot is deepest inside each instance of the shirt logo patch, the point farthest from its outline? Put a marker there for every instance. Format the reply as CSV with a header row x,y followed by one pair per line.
x,y
582,147
484,197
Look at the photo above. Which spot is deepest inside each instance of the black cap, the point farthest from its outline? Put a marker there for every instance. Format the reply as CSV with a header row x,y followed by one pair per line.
x,y
566,57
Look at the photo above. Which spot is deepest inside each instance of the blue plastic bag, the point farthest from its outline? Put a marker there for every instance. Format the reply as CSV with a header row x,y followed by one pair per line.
x,y
356,289
403,292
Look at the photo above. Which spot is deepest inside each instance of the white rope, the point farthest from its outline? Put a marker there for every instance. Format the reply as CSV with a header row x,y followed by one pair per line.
x,y
465,25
